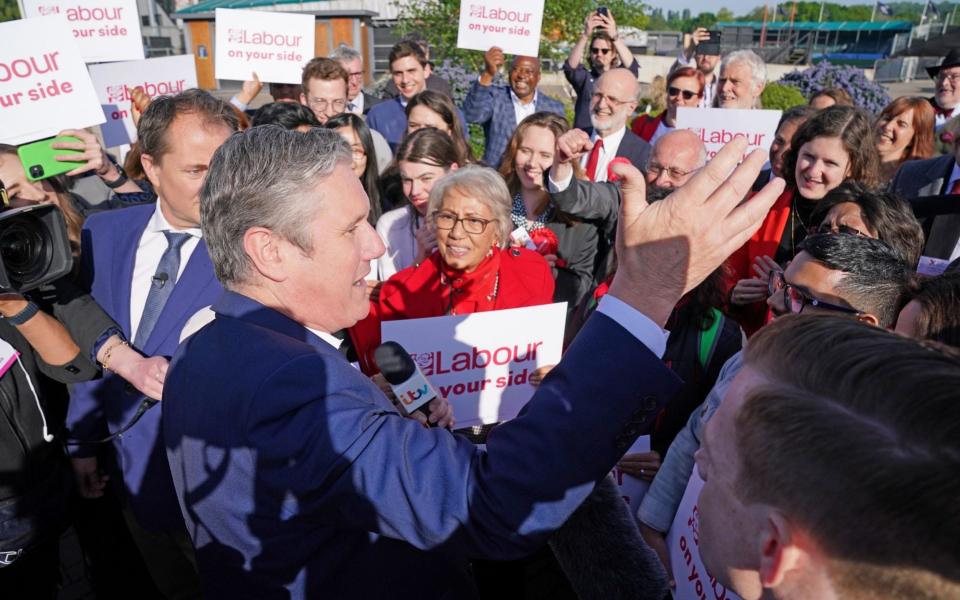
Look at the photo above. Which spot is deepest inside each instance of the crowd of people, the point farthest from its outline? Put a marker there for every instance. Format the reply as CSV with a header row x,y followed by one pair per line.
x,y
786,328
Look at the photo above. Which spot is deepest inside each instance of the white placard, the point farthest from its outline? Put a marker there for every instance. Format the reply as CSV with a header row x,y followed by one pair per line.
x,y
683,542
273,45
512,26
44,86
105,30
717,126
115,81
631,488
482,362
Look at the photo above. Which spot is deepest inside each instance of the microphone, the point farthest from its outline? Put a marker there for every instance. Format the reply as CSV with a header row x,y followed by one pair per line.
x,y
411,388
160,279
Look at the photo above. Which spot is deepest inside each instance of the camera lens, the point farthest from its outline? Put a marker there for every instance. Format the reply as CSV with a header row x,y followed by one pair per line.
x,y
25,249
36,171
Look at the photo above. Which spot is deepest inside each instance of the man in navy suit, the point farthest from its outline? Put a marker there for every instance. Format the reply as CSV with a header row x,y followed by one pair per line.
x,y
613,102
938,176
148,267
499,108
297,477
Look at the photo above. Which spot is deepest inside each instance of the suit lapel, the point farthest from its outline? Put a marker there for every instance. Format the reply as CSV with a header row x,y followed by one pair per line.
x,y
122,278
938,176
943,237
197,277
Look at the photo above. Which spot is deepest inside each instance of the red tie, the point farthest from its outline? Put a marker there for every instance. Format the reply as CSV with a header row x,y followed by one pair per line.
x,y
593,159
956,187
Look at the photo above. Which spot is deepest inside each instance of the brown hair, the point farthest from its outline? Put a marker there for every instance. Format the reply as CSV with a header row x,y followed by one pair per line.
x,y
939,317
921,146
853,127
602,34
687,72
555,123
163,110
443,106
840,441
839,96
405,48
429,146
324,69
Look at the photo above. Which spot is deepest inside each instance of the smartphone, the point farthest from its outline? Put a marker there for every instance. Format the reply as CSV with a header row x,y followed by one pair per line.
x,y
38,158
603,12
710,46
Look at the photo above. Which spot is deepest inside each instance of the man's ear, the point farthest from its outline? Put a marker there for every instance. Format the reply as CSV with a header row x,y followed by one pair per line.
x,y
427,70
779,552
149,168
263,248
869,319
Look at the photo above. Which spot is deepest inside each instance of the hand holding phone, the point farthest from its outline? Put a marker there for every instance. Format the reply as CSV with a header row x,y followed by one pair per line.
x,y
40,158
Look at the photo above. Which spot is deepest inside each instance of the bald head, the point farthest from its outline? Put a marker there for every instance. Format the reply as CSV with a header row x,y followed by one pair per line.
x,y
675,158
614,100
525,77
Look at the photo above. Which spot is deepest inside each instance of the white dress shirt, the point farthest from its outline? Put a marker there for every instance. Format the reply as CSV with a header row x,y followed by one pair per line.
x,y
939,120
328,338
520,110
662,130
355,106
611,144
153,243
396,228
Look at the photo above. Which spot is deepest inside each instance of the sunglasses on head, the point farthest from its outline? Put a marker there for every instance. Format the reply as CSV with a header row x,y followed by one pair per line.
x,y
600,51
687,94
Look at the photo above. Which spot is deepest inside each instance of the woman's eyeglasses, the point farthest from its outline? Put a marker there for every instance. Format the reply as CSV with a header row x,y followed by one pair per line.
x,y
675,91
447,221
795,300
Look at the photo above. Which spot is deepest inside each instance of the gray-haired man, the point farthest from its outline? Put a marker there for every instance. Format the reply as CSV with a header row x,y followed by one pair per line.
x,y
358,101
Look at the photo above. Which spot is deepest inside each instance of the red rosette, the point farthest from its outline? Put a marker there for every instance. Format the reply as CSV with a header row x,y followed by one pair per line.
x,y
611,176
545,240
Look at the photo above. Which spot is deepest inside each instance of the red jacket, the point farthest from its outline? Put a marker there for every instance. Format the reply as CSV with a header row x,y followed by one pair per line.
x,y
765,241
645,125
520,277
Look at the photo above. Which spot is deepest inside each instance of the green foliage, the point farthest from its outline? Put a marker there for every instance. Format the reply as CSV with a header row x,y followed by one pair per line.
x,y
437,21
9,10
781,97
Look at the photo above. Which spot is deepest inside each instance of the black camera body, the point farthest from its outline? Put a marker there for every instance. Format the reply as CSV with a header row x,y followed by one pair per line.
x,y
34,248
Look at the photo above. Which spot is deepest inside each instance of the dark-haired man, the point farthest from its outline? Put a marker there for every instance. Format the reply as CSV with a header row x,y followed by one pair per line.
x,y
409,70
607,50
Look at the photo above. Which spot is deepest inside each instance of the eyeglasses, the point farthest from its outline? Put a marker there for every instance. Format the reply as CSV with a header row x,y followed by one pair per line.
x,y
603,51
673,172
687,94
795,300
356,75
447,221
954,78
839,229
321,104
597,97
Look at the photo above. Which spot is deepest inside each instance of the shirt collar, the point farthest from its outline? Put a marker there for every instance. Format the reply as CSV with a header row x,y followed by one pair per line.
x,y
327,337
516,100
158,224
611,141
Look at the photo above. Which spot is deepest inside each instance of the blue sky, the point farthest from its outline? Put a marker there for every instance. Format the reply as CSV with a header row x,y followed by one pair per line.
x,y
738,7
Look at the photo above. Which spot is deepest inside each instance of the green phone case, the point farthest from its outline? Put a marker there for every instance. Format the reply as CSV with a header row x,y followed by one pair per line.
x,y
39,162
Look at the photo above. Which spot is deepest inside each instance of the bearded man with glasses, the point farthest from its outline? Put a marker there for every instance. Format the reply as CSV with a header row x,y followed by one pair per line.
x,y
607,51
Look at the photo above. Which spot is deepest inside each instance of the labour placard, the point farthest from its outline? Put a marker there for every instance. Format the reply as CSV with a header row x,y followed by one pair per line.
x,y
482,362
115,81
44,85
273,45
683,542
512,26
105,30
717,126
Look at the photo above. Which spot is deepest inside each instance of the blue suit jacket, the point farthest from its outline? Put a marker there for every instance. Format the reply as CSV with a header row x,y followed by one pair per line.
x,y
491,107
298,478
109,245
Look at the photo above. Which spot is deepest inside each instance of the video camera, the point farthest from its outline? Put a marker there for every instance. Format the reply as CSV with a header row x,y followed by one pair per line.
x,y
34,247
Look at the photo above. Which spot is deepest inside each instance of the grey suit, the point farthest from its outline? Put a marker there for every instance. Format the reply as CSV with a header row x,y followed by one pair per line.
x,y
922,178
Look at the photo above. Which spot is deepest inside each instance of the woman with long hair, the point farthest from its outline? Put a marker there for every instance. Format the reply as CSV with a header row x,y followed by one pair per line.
x,y
422,159
834,146
568,244
904,131
355,131
433,109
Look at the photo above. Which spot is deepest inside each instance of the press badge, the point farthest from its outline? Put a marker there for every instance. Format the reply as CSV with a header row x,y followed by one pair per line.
x,y
8,356
929,265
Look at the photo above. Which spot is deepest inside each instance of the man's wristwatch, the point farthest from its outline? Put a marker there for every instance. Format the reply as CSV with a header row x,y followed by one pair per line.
x,y
118,181
24,315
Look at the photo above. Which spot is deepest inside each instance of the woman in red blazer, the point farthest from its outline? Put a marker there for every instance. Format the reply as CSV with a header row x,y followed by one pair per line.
x,y
472,269
684,88
835,145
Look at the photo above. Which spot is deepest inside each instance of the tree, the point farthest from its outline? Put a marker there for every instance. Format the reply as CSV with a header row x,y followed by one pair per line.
x,y
438,20
9,10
